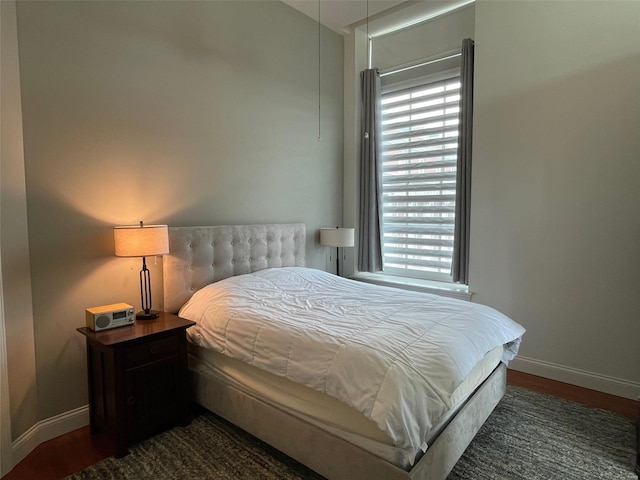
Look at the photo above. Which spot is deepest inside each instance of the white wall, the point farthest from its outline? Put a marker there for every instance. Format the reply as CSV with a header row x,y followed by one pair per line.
x,y
555,225
185,113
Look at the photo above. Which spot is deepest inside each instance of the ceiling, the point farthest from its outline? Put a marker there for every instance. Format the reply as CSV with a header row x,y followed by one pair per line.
x,y
340,15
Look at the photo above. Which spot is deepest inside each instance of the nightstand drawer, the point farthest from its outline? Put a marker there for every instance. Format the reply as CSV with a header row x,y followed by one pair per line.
x,y
151,351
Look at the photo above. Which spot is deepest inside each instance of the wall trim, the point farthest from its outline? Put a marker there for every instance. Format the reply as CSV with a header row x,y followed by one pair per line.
x,y
574,376
47,429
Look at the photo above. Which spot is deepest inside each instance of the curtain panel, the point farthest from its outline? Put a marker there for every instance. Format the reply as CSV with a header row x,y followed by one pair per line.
x,y
460,261
370,212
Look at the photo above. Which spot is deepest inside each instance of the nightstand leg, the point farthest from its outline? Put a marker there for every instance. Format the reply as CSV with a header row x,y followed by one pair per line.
x,y
121,451
93,428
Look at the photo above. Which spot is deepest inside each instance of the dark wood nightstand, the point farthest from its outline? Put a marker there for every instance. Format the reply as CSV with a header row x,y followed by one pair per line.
x,y
138,379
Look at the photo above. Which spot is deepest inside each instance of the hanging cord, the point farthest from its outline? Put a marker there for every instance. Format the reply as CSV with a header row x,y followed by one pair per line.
x,y
366,134
368,39
319,90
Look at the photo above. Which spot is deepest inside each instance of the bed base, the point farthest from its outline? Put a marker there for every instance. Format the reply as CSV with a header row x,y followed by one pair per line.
x,y
202,255
335,458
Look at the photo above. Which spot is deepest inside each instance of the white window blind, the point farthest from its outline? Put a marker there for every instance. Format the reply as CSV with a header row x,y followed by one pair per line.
x,y
419,149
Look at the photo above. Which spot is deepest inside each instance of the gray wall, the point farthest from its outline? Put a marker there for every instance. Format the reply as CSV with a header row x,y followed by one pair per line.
x,y
14,242
555,221
185,113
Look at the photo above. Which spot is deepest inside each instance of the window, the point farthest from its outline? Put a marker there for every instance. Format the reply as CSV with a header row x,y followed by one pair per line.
x,y
419,151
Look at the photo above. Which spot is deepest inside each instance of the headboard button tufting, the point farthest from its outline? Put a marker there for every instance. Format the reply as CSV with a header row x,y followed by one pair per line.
x,y
256,247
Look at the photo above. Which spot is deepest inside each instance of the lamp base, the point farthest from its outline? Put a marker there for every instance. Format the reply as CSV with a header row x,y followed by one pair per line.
x,y
150,315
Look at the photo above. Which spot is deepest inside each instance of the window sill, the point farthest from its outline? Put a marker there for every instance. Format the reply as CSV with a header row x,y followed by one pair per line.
x,y
453,290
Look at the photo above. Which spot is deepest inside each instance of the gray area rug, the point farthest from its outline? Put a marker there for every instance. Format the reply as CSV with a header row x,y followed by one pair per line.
x,y
529,436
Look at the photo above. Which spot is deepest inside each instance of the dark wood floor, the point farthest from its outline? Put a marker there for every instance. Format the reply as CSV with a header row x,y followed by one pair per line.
x,y
79,449
592,398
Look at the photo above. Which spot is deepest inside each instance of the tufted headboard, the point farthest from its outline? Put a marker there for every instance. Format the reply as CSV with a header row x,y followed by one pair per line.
x,y
199,256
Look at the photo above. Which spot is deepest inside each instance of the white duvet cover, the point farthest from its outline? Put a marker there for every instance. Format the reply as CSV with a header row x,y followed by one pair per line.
x,y
394,355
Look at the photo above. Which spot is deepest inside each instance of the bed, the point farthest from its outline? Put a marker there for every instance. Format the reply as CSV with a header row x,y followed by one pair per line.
x,y
335,405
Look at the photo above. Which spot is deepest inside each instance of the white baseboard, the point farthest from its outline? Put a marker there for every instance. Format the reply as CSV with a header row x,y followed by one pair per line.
x,y
574,376
48,429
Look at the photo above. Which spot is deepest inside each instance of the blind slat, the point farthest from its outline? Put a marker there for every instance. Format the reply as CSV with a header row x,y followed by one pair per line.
x,y
432,187
424,242
423,130
419,141
418,252
421,92
394,149
418,177
420,165
410,104
431,227
407,209
416,229
398,200
419,263
453,103
445,152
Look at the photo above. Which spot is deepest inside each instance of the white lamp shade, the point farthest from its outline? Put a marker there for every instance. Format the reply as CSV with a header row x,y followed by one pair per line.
x,y
141,241
337,237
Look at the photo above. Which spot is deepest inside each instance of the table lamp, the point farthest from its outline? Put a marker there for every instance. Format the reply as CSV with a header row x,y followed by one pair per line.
x,y
337,237
142,241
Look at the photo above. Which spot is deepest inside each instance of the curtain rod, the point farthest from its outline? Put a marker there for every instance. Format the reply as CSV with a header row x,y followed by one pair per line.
x,y
445,56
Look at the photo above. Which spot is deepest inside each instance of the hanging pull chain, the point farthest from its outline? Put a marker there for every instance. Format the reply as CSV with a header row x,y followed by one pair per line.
x,y
319,90
368,39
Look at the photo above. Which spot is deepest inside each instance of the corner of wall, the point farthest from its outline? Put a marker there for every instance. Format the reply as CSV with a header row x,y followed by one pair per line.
x,y
17,316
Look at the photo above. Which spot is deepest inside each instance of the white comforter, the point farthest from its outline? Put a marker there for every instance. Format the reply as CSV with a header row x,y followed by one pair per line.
x,y
396,356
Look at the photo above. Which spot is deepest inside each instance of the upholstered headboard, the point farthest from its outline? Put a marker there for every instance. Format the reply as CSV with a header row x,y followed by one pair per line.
x,y
199,256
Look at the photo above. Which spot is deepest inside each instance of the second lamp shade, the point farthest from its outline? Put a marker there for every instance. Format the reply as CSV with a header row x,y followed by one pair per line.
x,y
337,237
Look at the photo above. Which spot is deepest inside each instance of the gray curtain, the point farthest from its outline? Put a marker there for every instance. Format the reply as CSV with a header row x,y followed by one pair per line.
x,y
460,263
370,221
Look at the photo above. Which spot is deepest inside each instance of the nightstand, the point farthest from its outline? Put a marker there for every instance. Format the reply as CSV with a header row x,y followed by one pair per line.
x,y
138,379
